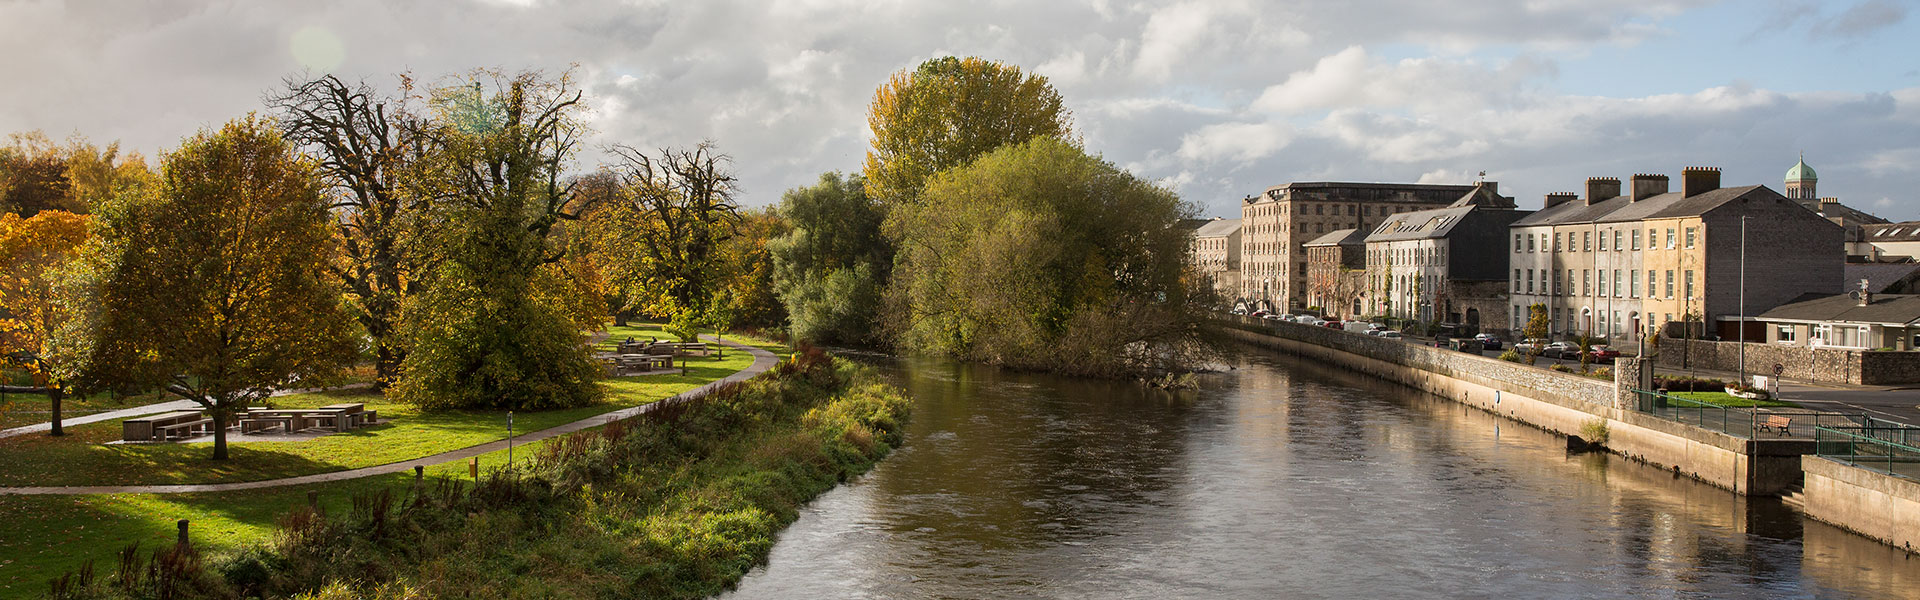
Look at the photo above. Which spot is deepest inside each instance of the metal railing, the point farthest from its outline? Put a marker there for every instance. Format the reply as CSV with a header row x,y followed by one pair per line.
x,y
1739,421
1880,445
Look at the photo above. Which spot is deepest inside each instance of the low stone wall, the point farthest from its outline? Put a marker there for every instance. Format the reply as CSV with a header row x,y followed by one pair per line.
x,y
1876,505
1820,365
1556,402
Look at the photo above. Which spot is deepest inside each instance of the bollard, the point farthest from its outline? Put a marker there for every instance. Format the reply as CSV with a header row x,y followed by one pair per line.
x,y
419,472
473,467
183,532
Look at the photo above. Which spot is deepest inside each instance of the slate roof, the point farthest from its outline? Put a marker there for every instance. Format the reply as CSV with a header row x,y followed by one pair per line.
x,y
1340,237
1620,209
1218,228
1886,309
1878,275
1420,225
1906,231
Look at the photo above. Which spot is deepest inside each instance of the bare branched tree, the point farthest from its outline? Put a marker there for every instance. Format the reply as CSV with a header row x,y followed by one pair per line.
x,y
677,205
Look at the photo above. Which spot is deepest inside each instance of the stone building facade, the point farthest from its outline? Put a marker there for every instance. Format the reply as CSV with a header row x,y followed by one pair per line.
x,y
1277,223
1337,273
1445,265
1618,261
1216,255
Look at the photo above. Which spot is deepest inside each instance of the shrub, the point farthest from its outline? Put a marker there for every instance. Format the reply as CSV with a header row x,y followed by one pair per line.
x,y
1602,373
1594,431
1561,368
1511,356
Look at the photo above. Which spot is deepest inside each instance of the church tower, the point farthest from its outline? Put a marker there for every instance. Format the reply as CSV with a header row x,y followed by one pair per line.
x,y
1801,182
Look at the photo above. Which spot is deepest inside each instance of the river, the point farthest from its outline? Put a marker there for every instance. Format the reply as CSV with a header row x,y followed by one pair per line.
x,y
1281,479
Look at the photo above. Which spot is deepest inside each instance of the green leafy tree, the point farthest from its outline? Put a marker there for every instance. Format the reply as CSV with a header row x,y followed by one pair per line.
x,y
1538,326
829,271
480,334
948,111
32,250
213,283
663,228
747,294
1040,256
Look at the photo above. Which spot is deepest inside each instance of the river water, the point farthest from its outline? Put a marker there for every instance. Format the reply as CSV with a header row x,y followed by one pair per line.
x,y
1281,479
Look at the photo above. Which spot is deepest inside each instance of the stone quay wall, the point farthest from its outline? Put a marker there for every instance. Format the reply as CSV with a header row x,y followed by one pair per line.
x,y
1870,503
1558,402
1819,365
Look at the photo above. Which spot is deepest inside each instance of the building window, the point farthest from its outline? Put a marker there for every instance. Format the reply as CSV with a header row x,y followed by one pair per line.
x,y
1616,283
1529,281
1669,238
1783,334
1349,210
1616,244
1319,209
1556,283
1635,236
1516,243
1515,317
1586,241
1603,241
1516,281
1530,243
1690,237
1570,280
1689,285
1367,210
1633,284
1586,282
1603,282
1669,283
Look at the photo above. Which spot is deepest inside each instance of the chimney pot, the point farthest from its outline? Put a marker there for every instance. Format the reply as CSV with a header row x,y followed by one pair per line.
x,y
1602,188
1646,185
1558,198
1699,180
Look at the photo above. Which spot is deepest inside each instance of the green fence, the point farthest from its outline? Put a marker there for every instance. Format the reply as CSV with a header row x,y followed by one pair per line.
x,y
1879,445
1743,422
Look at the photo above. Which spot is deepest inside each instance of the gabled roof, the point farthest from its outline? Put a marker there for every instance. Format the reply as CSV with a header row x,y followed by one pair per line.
x,y
1420,224
1340,237
1619,209
1878,275
1218,228
1905,231
1886,309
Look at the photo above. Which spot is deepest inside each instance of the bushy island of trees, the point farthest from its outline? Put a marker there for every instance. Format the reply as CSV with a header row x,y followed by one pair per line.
x,y
445,237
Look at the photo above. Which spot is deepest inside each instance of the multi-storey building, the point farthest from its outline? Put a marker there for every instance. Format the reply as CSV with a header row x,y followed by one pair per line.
x,y
1446,265
1275,224
1337,273
1802,186
1613,264
1216,255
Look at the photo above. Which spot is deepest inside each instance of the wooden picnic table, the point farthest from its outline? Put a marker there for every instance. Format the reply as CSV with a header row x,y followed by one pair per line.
x,y
143,429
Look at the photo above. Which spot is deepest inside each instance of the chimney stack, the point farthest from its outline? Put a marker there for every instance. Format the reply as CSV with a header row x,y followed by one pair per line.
x,y
1647,185
1558,198
1695,181
1602,188
1829,200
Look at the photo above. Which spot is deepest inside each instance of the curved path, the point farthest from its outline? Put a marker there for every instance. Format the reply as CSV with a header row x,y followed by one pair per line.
x,y
762,360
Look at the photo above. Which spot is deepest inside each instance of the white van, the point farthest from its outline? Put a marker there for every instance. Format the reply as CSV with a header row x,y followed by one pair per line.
x,y
1356,326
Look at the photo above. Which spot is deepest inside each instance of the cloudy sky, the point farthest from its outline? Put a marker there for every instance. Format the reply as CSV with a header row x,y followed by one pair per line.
x,y
1216,98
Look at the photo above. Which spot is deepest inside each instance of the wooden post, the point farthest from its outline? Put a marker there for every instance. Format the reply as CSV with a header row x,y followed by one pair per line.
x,y
183,533
473,467
419,472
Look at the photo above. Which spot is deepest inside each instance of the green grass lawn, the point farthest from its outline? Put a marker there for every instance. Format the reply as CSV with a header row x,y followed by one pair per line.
x,y
50,535
1729,400
83,457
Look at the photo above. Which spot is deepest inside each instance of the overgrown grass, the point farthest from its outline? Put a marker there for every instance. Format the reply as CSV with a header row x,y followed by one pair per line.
x,y
678,504
83,457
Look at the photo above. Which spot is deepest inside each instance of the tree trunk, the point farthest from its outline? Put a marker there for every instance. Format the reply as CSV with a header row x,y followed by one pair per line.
x,y
219,433
386,366
54,396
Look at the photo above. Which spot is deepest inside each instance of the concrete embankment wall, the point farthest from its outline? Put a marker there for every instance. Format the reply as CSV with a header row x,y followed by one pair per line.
x,y
1557,402
1876,505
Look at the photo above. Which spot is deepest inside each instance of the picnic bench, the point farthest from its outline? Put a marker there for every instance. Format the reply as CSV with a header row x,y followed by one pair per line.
x,y
617,363
1776,422
144,429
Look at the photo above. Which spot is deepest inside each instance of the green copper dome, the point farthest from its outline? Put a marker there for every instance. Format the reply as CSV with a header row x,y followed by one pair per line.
x,y
1801,172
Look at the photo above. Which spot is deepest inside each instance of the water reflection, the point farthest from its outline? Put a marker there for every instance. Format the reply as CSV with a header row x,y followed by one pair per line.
x,y
1280,479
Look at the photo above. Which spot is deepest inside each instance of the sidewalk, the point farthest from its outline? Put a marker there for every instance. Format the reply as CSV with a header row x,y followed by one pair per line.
x,y
762,360
1892,402
150,409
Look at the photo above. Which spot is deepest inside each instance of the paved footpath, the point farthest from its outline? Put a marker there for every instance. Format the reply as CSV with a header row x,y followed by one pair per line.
x,y
762,360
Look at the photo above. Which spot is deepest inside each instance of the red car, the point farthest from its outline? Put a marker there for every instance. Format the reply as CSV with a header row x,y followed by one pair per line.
x,y
1602,354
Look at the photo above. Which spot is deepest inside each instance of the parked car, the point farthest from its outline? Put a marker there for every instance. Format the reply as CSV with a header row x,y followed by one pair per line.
x,y
1602,354
1390,334
1356,326
1488,341
1332,325
1239,310
1260,313
1527,346
1561,350
1274,318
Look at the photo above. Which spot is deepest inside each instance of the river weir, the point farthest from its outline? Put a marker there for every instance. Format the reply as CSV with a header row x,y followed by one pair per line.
x,y
1282,478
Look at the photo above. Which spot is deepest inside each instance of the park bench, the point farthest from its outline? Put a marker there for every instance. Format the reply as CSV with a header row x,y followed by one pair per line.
x,y
255,423
146,429
1776,422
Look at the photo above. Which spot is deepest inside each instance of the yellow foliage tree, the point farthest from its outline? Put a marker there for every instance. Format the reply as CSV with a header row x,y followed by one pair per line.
x,y
948,111
31,251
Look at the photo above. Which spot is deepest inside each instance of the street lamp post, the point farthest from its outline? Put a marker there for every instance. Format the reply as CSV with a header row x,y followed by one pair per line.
x,y
1743,300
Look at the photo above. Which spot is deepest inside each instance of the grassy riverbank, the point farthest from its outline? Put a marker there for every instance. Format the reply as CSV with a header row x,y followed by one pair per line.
x,y
677,504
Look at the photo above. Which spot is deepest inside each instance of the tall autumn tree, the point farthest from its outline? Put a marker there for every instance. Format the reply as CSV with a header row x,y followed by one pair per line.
x,y
1040,256
363,144
32,250
480,335
663,227
948,111
213,283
